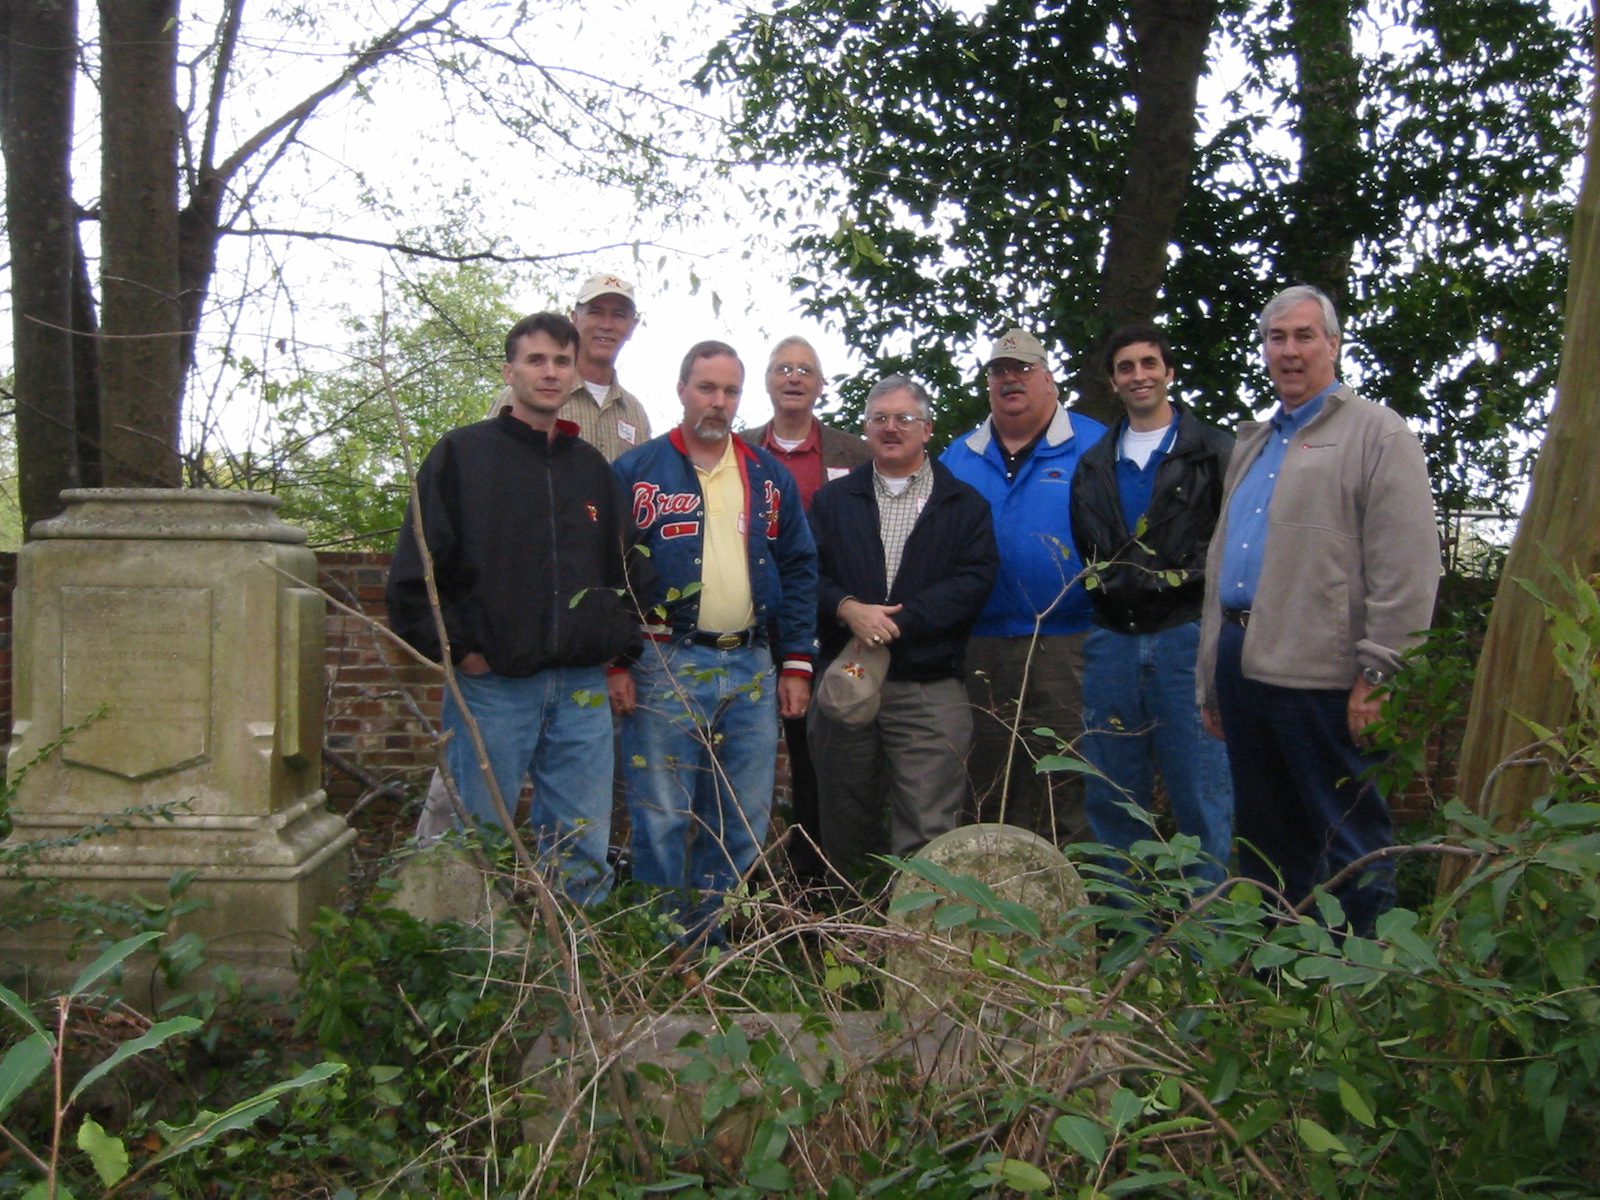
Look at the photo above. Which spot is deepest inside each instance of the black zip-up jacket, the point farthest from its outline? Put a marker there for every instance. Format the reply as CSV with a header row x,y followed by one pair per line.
x,y
518,524
1134,594
946,571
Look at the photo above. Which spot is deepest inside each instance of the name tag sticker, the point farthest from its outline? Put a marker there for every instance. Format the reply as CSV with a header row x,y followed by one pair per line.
x,y
627,432
838,472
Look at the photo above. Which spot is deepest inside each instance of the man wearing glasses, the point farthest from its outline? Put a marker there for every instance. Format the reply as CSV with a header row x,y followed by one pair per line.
x,y
815,454
1025,660
906,558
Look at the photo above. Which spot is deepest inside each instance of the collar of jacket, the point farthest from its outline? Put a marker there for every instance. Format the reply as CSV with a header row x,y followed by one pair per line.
x,y
564,431
1335,400
1057,434
859,481
1188,440
743,454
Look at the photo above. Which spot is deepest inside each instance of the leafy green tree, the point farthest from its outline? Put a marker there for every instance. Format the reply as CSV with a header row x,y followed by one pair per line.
x,y
951,174
334,450
200,116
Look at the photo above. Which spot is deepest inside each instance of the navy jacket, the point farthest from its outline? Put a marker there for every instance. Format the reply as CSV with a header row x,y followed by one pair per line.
x,y
669,512
528,534
946,571
1157,580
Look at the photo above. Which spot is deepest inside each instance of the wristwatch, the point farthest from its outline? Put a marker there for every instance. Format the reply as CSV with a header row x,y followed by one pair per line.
x,y
1374,677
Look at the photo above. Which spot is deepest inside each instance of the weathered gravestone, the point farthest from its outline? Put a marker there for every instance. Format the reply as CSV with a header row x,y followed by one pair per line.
x,y
164,639
942,1024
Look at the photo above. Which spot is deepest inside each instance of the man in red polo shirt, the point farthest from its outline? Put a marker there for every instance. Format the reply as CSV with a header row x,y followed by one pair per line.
x,y
814,454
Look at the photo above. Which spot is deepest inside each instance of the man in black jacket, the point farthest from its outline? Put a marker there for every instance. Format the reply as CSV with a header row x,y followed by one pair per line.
x,y
526,527
1144,503
906,559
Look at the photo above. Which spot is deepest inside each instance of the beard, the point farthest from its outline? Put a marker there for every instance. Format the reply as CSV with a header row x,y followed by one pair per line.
x,y
711,429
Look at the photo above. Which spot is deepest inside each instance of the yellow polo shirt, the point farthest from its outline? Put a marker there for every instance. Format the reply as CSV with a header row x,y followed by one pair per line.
x,y
725,601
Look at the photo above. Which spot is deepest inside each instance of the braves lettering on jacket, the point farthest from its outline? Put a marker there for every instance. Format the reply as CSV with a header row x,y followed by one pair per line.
x,y
669,510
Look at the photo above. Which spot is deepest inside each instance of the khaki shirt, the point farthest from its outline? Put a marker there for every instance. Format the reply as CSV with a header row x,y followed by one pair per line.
x,y
613,426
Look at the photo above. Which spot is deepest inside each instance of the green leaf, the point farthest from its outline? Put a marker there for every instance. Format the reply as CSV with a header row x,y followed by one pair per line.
x,y
1355,1105
1144,1181
952,915
20,1007
107,1153
1317,1138
770,1176
1555,1116
41,1191
913,901
148,1040
23,1063
209,1126
1021,1176
1063,762
110,960
1125,1109
1082,1136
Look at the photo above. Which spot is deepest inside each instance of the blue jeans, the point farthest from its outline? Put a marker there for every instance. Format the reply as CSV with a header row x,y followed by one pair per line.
x,y
535,726
1139,710
1304,810
700,753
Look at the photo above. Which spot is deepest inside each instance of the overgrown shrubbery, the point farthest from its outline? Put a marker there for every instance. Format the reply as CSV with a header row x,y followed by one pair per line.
x,y
1162,1043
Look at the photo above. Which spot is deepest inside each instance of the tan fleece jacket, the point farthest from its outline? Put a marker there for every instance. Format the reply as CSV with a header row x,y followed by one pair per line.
x,y
1352,561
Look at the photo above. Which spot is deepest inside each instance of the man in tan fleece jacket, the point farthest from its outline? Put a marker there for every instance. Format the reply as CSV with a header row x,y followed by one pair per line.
x,y
1321,573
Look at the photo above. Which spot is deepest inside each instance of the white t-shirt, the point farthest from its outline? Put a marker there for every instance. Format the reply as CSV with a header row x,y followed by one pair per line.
x,y
1139,446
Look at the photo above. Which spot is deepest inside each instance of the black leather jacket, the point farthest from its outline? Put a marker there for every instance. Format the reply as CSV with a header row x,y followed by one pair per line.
x,y
1135,593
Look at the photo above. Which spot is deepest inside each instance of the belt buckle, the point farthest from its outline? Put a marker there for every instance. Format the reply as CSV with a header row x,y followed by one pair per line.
x,y
729,641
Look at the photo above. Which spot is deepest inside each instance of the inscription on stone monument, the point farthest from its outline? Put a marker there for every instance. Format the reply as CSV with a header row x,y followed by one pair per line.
x,y
144,654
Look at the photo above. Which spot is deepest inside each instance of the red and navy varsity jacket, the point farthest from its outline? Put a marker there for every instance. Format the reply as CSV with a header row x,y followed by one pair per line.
x,y
669,511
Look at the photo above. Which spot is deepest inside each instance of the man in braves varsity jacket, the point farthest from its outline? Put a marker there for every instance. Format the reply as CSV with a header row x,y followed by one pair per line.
x,y
1144,503
728,540
527,530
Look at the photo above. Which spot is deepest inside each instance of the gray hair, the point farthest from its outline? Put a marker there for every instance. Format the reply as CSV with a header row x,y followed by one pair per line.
x,y
794,339
902,383
1299,294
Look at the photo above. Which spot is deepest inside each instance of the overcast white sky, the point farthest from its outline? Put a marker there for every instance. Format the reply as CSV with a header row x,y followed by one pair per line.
x,y
742,296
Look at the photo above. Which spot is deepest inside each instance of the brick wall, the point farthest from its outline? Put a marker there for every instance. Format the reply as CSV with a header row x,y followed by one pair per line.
x,y
382,703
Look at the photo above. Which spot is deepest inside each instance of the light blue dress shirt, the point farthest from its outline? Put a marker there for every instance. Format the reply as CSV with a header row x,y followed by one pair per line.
x,y
1245,549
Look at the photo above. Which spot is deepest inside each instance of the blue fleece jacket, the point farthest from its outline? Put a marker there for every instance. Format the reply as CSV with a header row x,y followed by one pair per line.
x,y
1033,525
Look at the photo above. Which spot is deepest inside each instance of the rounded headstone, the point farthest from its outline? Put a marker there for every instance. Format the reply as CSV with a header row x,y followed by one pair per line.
x,y
1017,865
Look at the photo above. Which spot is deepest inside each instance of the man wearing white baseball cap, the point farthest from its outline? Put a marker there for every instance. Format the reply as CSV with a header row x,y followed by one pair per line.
x,y
607,414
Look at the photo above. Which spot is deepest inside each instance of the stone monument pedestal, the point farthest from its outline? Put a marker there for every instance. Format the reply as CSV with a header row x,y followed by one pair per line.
x,y
165,641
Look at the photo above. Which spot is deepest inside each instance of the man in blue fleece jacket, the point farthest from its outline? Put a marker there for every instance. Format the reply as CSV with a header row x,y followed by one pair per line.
x,y
1025,659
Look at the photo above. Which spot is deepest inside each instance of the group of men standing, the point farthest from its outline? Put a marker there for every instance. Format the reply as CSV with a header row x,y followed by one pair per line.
x,y
1150,593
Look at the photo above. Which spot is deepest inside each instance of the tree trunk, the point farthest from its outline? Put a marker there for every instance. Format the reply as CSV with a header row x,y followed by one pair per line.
x,y
141,376
1170,38
37,61
1322,234
1517,676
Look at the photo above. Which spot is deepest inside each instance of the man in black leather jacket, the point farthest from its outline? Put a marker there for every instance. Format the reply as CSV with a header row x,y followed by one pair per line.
x,y
1144,503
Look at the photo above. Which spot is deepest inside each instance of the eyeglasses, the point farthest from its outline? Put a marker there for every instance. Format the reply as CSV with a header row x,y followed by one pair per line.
x,y
903,420
788,369
1004,367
